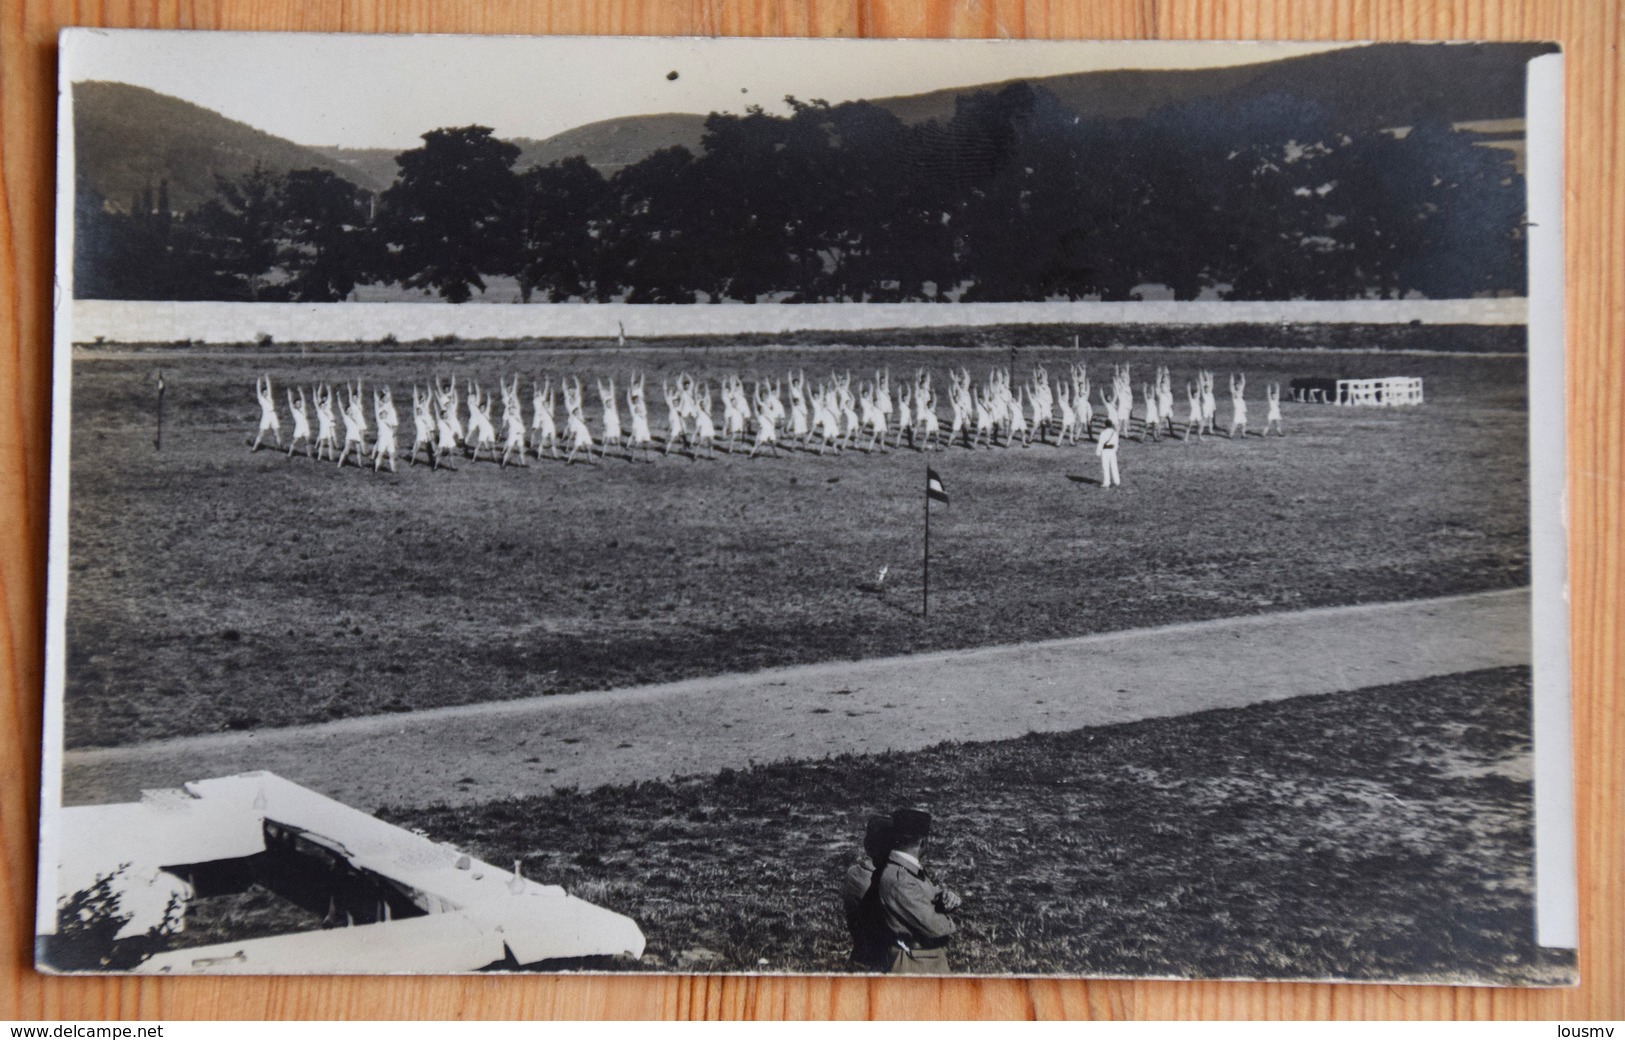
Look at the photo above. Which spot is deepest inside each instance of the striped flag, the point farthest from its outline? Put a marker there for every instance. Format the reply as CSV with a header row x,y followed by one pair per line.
x,y
933,486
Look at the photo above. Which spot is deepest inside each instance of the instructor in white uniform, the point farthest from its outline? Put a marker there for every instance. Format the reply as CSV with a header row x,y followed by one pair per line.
x,y
1106,448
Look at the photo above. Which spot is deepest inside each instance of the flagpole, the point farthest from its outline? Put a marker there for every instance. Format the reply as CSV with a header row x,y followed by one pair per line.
x,y
925,603
158,441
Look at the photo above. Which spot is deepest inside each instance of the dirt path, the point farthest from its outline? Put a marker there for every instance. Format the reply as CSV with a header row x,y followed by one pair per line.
x,y
481,752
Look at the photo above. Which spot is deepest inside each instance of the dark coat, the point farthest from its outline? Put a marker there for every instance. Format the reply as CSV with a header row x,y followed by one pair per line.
x,y
871,941
911,910
910,903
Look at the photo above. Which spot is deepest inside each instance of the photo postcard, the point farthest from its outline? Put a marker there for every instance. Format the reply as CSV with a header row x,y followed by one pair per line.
x,y
808,507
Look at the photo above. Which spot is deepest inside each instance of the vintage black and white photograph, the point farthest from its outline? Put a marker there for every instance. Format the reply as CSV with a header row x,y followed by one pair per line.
x,y
815,507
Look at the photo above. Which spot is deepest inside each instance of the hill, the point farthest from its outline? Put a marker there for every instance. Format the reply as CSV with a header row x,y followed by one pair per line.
x,y
128,139
613,143
608,144
1382,84
1378,85
376,165
1371,86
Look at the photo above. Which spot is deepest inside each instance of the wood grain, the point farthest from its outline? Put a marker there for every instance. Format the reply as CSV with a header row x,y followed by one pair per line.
x,y
1590,33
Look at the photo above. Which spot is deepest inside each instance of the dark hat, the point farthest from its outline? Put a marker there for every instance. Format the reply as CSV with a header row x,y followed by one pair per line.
x,y
908,825
877,837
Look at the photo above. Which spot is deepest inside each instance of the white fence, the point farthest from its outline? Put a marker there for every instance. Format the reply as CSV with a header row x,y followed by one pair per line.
x,y
151,321
1394,390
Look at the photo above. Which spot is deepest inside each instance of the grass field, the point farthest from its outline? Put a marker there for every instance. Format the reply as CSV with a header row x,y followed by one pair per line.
x,y
1377,834
213,589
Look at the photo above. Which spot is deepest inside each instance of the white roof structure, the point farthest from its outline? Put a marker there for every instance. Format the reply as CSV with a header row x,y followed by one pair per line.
x,y
475,914
134,841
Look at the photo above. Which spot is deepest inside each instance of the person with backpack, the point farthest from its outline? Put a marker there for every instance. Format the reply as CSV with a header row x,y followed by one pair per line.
x,y
871,942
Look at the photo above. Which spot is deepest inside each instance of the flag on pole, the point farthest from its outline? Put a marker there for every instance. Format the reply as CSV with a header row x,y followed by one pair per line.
x,y
933,489
158,438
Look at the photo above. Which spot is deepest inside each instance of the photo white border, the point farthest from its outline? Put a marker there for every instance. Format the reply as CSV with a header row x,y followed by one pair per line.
x,y
1557,906
1556,895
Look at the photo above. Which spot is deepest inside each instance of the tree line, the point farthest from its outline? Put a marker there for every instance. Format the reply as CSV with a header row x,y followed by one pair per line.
x,y
1013,198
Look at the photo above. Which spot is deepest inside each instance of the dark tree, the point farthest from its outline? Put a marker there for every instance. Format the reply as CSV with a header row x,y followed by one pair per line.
x,y
1469,202
322,235
1015,197
238,233
647,249
95,236
1179,236
453,214
751,184
565,205
148,253
1254,168
865,227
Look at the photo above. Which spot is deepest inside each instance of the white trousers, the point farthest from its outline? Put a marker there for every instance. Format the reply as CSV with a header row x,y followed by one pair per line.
x,y
1108,469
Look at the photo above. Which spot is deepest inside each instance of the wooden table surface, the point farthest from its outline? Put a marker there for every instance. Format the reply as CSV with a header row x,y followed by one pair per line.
x,y
1590,32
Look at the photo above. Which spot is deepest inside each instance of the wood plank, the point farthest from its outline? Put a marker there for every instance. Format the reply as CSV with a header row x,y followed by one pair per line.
x,y
1590,33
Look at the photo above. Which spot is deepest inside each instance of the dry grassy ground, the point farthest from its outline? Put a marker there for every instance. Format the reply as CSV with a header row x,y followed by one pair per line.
x,y
211,588
1377,834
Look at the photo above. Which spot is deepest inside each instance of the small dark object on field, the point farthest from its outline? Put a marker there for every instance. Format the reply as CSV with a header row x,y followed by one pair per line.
x,y
672,74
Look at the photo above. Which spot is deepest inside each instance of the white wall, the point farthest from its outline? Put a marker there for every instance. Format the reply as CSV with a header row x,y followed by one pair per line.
x,y
131,321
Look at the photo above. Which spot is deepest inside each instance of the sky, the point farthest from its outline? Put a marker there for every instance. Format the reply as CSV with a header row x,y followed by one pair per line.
x,y
385,91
